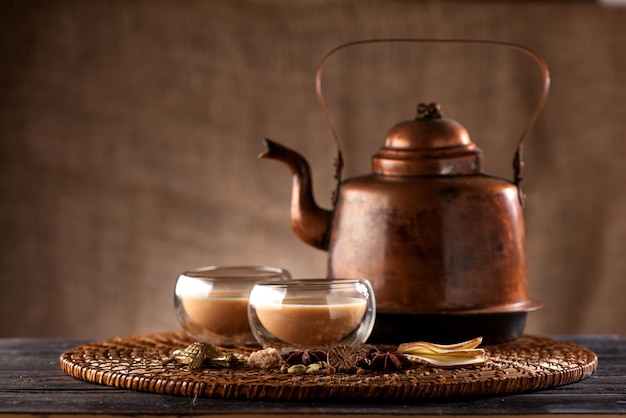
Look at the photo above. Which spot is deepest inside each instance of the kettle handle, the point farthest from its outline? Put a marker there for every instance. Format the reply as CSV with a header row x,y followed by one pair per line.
x,y
518,162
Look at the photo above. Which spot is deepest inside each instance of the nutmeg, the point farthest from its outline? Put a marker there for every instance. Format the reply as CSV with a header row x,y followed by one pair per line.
x,y
342,359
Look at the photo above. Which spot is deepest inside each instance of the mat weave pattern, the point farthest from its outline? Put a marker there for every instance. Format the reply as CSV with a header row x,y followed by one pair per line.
x,y
528,363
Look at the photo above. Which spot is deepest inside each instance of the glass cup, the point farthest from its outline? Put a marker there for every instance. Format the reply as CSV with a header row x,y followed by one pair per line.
x,y
312,313
212,302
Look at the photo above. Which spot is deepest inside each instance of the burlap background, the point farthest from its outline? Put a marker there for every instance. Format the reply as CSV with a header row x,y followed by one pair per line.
x,y
129,132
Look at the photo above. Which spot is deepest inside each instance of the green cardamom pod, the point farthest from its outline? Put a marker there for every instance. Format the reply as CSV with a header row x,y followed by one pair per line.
x,y
312,368
297,369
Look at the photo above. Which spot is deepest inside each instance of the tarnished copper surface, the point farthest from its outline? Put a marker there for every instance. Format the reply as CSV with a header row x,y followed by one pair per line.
x,y
431,244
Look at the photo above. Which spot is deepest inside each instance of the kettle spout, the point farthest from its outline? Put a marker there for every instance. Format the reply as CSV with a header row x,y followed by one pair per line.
x,y
309,222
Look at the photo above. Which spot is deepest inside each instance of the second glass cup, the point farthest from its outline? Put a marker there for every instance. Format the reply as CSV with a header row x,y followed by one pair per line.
x,y
312,313
212,302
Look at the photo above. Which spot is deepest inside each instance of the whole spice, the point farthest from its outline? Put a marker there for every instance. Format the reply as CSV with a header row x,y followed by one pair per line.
x,y
341,359
365,354
297,369
390,362
305,357
265,359
198,353
316,367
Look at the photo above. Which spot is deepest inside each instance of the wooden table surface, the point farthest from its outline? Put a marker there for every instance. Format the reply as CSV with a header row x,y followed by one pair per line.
x,y
32,383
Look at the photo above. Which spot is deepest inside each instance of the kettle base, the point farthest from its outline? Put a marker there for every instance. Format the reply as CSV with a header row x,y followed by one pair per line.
x,y
447,328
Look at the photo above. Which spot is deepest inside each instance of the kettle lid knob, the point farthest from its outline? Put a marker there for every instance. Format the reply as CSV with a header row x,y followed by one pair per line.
x,y
432,110
430,144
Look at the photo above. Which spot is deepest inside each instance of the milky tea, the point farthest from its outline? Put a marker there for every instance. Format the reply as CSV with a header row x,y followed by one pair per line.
x,y
223,314
313,322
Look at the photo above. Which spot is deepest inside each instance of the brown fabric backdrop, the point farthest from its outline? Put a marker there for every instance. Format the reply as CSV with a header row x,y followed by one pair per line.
x,y
129,132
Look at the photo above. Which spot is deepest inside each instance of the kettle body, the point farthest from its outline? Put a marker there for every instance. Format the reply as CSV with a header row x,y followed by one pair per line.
x,y
432,245
446,256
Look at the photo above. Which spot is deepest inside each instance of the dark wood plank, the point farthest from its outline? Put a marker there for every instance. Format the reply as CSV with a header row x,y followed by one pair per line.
x,y
31,381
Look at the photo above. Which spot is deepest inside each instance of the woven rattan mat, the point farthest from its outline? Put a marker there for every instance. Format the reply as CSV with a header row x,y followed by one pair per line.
x,y
527,363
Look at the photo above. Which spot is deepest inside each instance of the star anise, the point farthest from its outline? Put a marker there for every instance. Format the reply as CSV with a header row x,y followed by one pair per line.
x,y
305,357
365,354
390,362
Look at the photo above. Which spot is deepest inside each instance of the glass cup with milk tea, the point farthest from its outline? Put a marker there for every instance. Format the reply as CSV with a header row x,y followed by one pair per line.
x,y
312,313
212,302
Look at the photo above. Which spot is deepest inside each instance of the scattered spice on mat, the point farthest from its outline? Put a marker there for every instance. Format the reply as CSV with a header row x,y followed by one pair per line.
x,y
297,369
268,358
342,359
367,358
390,362
199,353
365,354
320,366
305,357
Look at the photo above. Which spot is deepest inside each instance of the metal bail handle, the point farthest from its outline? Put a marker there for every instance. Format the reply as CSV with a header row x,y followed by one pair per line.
x,y
518,162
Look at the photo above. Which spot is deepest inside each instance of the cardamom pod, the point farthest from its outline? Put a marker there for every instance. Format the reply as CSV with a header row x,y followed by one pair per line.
x,y
297,369
313,367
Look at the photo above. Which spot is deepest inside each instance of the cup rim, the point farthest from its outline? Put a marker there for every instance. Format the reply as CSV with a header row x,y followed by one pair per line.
x,y
237,272
313,283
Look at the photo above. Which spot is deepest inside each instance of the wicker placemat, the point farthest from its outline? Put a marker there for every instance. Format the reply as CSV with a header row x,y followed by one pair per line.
x,y
528,363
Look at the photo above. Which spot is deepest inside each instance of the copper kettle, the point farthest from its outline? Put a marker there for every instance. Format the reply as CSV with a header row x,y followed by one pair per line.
x,y
442,243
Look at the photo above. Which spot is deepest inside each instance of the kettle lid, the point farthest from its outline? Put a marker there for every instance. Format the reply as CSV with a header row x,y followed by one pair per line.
x,y
428,145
